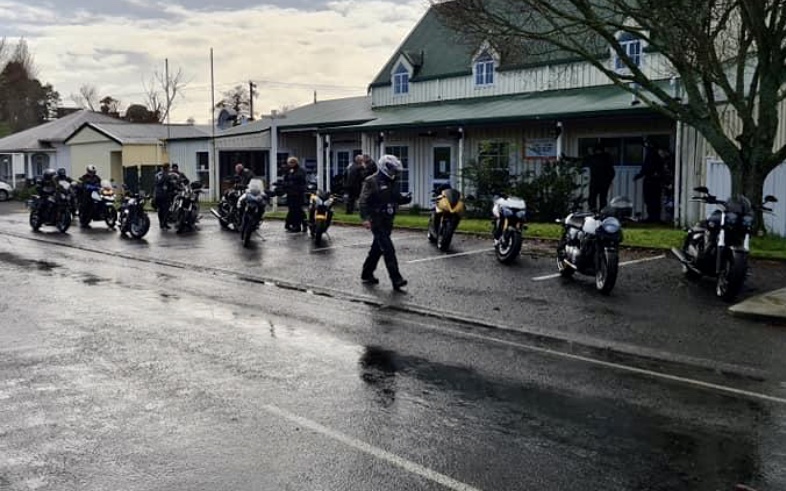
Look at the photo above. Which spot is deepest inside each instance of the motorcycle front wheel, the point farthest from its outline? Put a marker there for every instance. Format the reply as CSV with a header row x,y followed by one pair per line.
x,y
445,234
139,226
245,232
111,217
319,230
509,247
606,271
64,221
731,276
35,220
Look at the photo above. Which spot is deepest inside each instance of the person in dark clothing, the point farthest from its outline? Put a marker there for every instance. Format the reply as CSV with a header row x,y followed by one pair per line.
x,y
369,166
45,187
243,175
295,188
379,200
353,181
164,189
653,172
87,183
601,167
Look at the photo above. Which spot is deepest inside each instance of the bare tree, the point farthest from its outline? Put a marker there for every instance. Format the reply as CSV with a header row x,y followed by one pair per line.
x,y
87,98
162,92
728,57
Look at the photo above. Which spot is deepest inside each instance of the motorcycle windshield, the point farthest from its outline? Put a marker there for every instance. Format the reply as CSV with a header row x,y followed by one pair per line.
x,y
453,196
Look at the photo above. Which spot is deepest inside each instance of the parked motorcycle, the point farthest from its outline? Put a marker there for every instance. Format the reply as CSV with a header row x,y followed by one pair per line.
x,y
719,246
184,213
134,220
101,205
590,243
53,210
320,212
251,209
445,216
227,212
509,223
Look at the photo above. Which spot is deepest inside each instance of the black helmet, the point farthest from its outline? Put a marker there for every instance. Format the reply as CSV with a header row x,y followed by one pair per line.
x,y
49,173
61,172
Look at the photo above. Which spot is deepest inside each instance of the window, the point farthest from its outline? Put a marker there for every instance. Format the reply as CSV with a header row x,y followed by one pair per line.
x,y
495,155
484,70
632,47
342,162
203,168
402,152
40,163
401,80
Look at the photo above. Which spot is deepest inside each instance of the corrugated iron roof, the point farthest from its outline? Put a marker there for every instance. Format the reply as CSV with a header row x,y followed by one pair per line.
x,y
147,134
52,132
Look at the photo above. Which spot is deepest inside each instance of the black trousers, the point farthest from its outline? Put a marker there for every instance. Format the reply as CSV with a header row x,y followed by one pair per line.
x,y
598,193
382,247
351,199
652,199
162,205
295,216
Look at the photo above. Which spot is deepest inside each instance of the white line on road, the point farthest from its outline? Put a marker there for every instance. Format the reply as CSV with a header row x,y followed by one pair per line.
x,y
356,244
377,452
448,256
626,263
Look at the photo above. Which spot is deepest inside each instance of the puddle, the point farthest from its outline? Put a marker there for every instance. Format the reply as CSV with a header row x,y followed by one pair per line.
x,y
27,263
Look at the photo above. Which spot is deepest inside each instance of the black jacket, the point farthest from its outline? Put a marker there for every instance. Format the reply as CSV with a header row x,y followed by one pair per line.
x,y
380,199
295,182
354,179
244,177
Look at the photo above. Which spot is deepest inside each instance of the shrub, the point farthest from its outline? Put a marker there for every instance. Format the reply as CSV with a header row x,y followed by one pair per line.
x,y
549,193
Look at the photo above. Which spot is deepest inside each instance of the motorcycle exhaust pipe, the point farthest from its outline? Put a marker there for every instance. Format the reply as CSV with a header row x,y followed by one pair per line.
x,y
215,213
683,259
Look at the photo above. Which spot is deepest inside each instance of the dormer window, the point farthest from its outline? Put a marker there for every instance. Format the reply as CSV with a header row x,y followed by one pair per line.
x,y
484,70
631,45
401,80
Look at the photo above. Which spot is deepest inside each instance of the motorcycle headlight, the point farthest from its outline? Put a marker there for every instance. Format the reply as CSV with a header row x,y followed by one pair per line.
x,y
731,219
610,225
521,215
747,221
507,212
329,202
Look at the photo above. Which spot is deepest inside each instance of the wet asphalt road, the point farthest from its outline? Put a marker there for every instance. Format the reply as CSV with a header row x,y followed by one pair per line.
x,y
166,364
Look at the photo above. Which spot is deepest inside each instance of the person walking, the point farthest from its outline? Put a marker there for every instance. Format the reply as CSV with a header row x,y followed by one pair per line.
x,y
379,200
295,188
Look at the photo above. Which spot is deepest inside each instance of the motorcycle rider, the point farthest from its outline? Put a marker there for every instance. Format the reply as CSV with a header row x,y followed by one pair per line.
x,y
295,188
90,178
243,175
62,175
378,203
46,186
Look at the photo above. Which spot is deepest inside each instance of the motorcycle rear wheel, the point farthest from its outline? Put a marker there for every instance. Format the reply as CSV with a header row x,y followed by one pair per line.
x,y
606,274
509,247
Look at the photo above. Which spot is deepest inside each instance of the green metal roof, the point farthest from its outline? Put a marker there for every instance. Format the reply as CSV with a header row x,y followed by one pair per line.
x,y
603,100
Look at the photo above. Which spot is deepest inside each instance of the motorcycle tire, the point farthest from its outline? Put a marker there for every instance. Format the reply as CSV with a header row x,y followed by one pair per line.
x,y
731,277
445,235
432,237
139,227
111,218
319,231
606,272
245,234
84,219
688,272
35,221
509,248
64,221
564,269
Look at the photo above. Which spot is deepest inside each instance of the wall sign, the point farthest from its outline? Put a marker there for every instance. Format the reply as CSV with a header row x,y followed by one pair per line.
x,y
540,148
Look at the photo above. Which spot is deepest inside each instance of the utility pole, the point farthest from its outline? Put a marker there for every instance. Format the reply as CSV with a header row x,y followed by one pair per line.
x,y
168,103
251,88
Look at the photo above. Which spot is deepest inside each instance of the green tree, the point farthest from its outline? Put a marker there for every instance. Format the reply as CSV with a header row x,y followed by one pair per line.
x,y
24,101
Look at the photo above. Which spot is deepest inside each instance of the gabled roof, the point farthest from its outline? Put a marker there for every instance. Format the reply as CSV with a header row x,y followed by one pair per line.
x,y
42,136
143,134
444,52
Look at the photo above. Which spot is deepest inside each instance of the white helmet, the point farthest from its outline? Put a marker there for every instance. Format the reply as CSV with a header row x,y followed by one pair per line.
x,y
390,166
91,169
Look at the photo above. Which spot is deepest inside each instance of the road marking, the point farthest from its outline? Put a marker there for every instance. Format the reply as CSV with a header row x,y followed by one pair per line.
x,y
612,365
377,452
448,256
626,263
356,244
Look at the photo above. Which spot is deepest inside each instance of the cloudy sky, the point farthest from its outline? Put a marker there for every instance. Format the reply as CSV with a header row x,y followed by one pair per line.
x,y
289,48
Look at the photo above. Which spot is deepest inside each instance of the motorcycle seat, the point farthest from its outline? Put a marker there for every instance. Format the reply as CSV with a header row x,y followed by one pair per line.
x,y
577,219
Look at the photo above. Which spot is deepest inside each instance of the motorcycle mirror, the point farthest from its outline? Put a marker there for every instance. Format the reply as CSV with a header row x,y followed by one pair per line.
x,y
770,199
702,189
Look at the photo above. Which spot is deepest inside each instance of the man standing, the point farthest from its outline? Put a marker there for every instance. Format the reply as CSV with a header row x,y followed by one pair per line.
x,y
353,181
295,187
653,173
601,169
379,201
87,184
163,195
242,175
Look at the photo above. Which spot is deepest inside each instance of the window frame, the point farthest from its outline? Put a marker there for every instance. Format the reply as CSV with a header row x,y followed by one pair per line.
x,y
634,51
400,80
484,70
402,152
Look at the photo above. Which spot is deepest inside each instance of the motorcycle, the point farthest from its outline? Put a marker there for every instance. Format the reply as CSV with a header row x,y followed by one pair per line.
x,y
509,223
101,205
445,216
184,212
53,210
320,212
251,209
719,246
134,220
227,213
590,243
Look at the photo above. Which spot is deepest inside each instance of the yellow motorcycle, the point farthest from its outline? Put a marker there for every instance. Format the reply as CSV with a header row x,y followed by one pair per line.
x,y
445,216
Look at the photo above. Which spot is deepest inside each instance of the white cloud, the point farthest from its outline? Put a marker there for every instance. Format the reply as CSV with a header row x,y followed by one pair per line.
x,y
344,44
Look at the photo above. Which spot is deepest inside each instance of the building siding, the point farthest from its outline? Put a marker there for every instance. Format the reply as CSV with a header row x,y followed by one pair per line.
x,y
138,155
98,154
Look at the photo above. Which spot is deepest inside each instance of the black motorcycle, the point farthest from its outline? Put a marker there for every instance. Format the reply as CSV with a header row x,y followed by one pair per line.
x,y
134,220
445,216
508,225
100,204
719,246
590,243
184,213
54,209
227,213
320,212
251,209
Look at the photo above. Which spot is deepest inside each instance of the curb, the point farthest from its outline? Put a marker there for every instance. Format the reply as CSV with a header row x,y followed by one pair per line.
x,y
770,306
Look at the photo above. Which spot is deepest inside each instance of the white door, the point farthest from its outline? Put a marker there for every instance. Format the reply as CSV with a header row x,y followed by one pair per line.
x,y
441,166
